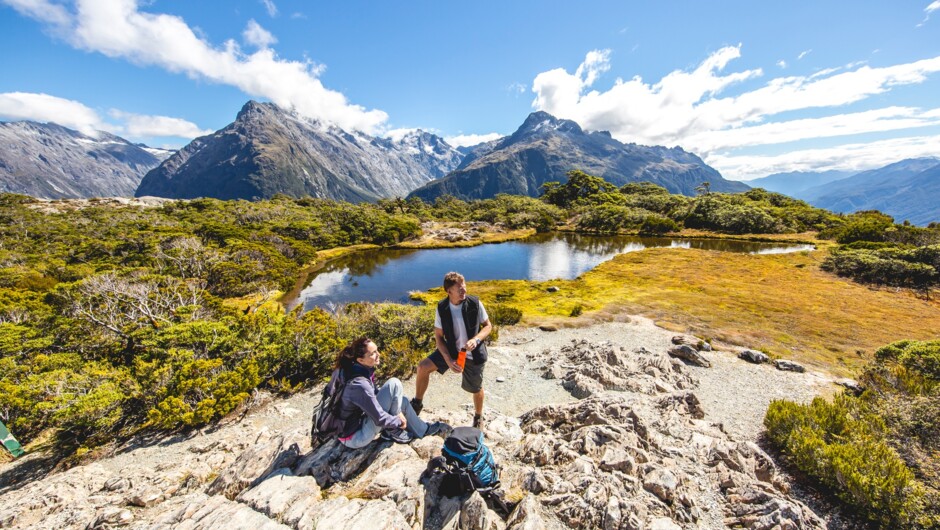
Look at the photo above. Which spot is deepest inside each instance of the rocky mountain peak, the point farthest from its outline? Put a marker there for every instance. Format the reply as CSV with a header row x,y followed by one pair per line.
x,y
47,160
544,148
541,122
268,150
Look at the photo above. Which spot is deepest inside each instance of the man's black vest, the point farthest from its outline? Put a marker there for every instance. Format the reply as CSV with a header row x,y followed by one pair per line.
x,y
470,308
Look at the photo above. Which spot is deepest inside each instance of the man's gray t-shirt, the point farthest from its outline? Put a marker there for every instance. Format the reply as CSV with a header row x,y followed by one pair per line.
x,y
460,329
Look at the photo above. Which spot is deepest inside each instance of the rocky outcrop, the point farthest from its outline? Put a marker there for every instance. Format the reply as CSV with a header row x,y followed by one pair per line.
x,y
789,366
587,368
635,454
753,356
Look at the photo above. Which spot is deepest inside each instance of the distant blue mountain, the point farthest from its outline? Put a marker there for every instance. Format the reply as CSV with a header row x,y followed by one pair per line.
x,y
906,190
795,182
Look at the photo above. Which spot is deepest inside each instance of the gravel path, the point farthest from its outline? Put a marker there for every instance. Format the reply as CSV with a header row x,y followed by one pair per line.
x,y
733,392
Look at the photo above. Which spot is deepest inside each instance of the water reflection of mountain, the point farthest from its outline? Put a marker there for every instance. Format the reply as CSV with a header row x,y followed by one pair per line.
x,y
364,263
378,275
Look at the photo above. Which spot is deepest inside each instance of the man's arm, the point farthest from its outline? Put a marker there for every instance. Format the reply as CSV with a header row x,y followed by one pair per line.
x,y
445,352
485,328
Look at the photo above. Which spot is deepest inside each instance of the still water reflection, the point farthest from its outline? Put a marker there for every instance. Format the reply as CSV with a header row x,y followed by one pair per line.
x,y
379,275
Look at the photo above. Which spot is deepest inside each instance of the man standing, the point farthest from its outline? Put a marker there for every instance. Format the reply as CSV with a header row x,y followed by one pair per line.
x,y
460,322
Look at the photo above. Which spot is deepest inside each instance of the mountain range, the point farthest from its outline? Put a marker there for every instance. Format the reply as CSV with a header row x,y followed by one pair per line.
x,y
49,161
268,150
545,148
906,190
796,182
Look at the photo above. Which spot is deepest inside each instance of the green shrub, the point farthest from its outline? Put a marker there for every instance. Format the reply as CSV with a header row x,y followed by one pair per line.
x,y
655,224
842,445
403,333
504,315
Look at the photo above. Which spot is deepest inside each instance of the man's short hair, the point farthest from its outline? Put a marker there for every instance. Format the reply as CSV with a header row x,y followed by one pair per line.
x,y
451,279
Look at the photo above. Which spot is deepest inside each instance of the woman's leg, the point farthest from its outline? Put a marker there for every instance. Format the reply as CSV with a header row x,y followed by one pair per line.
x,y
399,403
386,399
416,425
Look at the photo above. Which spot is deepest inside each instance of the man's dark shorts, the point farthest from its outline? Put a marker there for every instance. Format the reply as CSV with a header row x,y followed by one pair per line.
x,y
472,372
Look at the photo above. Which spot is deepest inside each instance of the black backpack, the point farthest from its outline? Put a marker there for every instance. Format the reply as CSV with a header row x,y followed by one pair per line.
x,y
327,420
467,465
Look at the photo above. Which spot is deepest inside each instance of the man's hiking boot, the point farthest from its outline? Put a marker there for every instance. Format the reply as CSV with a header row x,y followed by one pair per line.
x,y
439,428
417,405
477,421
399,436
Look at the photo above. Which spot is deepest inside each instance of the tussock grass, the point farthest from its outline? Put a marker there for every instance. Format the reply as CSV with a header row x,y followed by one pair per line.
x,y
782,304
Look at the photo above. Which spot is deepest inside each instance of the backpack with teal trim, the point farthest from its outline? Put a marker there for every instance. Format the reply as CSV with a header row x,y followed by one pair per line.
x,y
467,465
470,461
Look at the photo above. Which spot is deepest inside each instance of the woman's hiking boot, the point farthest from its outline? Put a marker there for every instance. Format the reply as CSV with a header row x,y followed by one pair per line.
x,y
399,436
439,428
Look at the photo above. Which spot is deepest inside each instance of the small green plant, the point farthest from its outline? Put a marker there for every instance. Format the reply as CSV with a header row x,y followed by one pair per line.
x,y
577,310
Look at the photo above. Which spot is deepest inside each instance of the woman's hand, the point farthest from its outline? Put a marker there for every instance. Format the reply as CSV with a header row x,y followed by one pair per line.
x,y
404,422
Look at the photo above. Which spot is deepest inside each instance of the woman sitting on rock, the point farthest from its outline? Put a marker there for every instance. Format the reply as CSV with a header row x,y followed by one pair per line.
x,y
369,410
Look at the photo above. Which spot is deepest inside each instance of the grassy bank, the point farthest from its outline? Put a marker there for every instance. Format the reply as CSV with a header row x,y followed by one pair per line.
x,y
782,304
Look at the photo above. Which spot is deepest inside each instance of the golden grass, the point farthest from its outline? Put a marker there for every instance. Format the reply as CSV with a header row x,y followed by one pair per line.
x,y
783,304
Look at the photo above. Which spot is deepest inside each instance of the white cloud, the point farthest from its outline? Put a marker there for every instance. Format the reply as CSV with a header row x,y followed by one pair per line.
x,y
935,5
878,120
270,7
517,88
118,29
781,63
43,10
693,109
396,135
851,157
255,35
467,140
45,108
803,53
139,125
75,115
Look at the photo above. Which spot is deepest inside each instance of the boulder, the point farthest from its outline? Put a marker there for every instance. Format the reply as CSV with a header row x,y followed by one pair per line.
x,y
475,515
754,356
789,366
852,386
275,495
690,354
268,453
662,483
553,289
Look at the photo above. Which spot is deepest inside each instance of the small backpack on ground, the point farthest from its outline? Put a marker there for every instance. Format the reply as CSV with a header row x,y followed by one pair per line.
x,y
467,465
327,422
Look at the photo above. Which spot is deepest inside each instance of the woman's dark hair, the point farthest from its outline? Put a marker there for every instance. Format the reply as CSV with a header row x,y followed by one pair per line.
x,y
355,350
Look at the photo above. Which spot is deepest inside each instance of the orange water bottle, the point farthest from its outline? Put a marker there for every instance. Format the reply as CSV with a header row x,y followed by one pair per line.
x,y
462,357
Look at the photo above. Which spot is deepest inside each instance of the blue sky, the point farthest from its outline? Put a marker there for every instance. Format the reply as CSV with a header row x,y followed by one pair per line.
x,y
752,87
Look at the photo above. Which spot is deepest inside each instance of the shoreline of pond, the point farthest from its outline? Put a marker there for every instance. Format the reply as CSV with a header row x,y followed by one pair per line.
x,y
292,299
